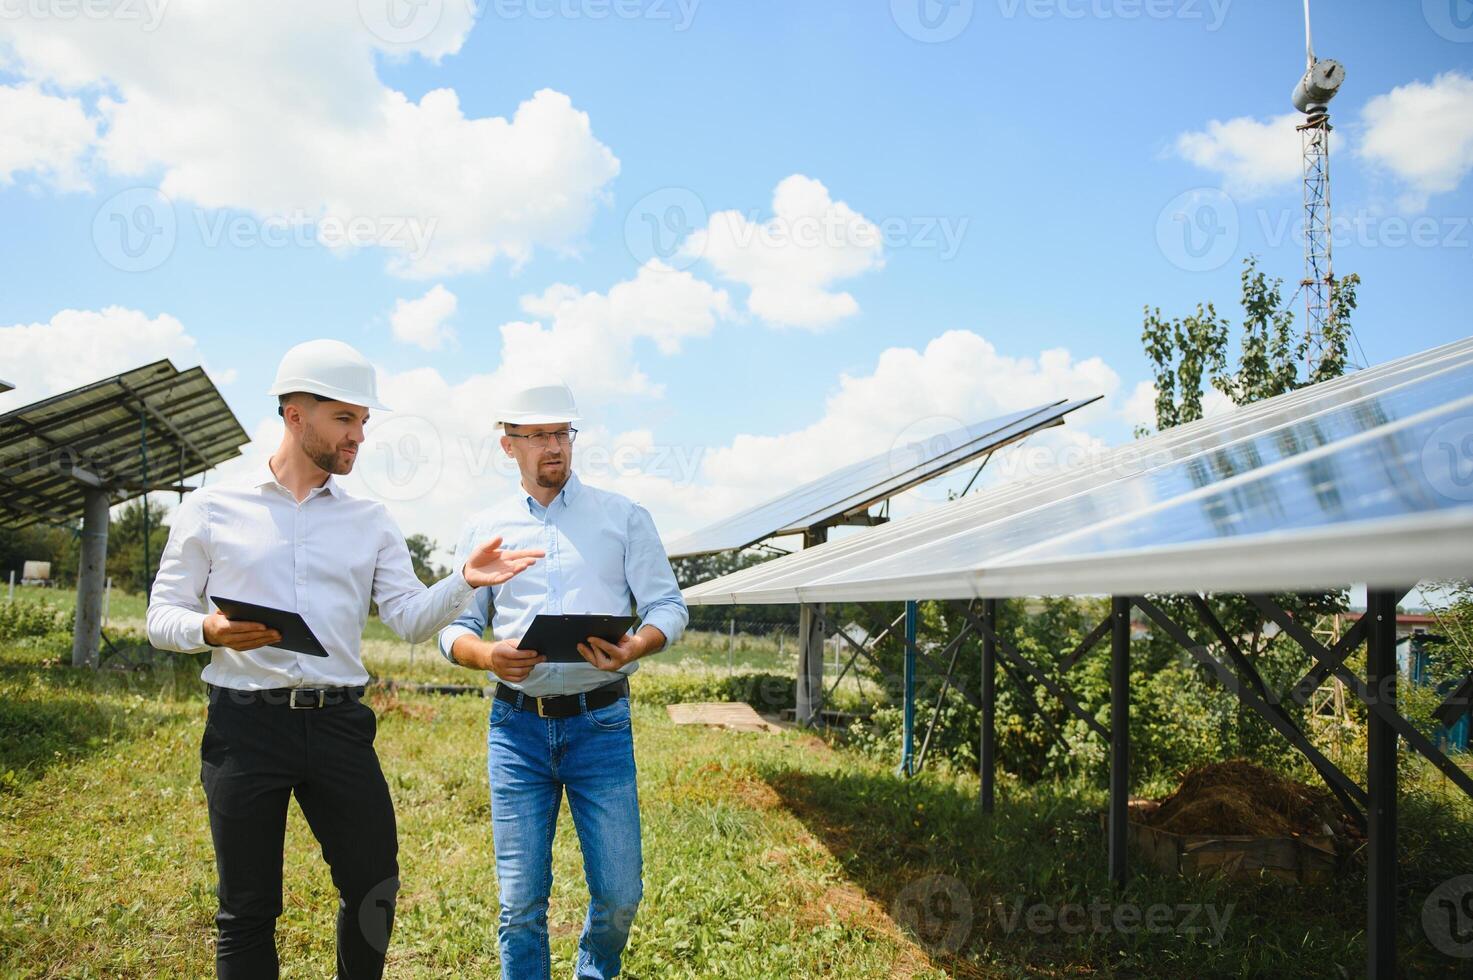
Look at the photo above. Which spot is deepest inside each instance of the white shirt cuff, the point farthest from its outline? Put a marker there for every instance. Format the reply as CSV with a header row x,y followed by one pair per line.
x,y
448,636
194,631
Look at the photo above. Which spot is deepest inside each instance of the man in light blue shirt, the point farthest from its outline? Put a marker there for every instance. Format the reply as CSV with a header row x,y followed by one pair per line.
x,y
564,726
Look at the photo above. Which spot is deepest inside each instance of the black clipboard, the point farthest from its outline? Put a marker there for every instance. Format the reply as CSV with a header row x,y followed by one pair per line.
x,y
296,635
557,637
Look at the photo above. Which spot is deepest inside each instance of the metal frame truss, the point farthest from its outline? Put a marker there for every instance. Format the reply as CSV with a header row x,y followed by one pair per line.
x,y
1373,808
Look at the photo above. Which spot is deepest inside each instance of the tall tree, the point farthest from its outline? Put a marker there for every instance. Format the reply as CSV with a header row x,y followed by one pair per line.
x,y
129,564
1189,350
421,555
1186,351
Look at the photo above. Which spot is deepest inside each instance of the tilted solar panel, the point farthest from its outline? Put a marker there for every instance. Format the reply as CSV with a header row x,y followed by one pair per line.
x,y
1364,478
856,487
96,435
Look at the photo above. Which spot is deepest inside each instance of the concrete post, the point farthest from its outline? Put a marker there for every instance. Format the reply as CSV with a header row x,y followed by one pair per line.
x,y
91,571
810,649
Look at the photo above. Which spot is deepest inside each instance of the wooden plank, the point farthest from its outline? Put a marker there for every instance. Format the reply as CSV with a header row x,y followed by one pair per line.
x,y
736,716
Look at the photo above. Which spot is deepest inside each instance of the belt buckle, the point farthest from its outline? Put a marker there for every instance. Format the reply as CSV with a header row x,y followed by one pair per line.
x,y
540,712
292,698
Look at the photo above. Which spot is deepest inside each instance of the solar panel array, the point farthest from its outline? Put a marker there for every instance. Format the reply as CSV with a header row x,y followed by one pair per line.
x,y
855,488
1365,478
52,450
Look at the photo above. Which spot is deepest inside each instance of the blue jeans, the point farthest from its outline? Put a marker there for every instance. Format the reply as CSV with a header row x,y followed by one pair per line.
x,y
531,760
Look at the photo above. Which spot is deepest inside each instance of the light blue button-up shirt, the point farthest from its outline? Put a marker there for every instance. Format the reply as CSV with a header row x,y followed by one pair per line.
x,y
603,556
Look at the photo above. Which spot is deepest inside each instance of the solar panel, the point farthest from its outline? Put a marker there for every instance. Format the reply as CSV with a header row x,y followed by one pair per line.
x,y
855,488
1366,478
52,450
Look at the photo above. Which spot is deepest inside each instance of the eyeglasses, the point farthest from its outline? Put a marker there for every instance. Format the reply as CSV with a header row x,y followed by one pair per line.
x,y
541,440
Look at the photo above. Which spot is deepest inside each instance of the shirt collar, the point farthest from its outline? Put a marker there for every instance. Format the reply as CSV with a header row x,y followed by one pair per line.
x,y
266,478
570,490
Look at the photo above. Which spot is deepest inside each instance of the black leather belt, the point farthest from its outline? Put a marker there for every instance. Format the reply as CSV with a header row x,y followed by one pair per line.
x,y
290,697
565,705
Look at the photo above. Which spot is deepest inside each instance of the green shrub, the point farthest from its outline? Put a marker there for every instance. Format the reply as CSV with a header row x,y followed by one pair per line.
x,y
768,693
29,620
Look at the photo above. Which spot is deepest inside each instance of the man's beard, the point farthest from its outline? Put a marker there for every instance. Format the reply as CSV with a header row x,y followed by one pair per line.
x,y
325,456
548,483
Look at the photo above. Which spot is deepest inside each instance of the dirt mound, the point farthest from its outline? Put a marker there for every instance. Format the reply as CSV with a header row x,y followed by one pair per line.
x,y
1238,797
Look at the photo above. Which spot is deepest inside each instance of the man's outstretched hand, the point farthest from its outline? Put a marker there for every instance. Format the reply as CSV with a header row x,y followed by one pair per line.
x,y
490,565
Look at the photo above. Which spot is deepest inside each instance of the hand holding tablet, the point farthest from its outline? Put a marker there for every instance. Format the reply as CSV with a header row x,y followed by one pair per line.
x,y
557,637
291,629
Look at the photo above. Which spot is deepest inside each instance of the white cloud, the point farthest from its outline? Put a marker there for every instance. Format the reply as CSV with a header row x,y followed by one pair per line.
x,y
1252,157
792,260
957,379
421,322
1140,406
76,347
436,459
588,338
44,134
1423,134
312,135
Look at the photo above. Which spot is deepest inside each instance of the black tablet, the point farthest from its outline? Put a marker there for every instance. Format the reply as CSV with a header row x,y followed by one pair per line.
x,y
557,637
296,635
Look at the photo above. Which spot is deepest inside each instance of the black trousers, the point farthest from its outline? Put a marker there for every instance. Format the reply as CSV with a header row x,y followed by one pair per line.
x,y
257,752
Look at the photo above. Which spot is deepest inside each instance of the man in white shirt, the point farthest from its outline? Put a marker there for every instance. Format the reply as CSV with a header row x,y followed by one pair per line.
x,y
564,727
283,723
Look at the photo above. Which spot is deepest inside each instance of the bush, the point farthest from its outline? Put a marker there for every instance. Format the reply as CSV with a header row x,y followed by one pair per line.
x,y
31,620
766,692
1180,716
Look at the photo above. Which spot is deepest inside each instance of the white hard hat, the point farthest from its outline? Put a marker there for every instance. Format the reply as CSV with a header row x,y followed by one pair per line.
x,y
329,368
547,402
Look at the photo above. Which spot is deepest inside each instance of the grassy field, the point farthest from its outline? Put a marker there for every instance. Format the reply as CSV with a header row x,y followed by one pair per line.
x,y
773,855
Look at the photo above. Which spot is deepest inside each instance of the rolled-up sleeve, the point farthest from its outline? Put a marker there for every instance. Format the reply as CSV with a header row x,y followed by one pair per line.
x,y
176,605
473,619
657,596
405,605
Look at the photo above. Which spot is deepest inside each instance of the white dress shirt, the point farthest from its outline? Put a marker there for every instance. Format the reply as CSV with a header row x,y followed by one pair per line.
x,y
603,555
324,558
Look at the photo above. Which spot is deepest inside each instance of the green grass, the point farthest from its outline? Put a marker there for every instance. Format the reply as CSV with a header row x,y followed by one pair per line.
x,y
765,855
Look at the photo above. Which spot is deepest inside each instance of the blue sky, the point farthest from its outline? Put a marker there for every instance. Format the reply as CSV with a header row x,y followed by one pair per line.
x,y
1055,141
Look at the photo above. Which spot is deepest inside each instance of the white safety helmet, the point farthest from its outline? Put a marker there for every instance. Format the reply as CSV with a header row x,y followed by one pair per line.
x,y
550,401
329,368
